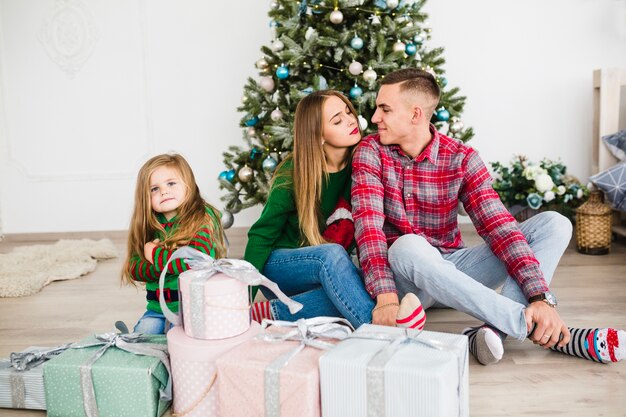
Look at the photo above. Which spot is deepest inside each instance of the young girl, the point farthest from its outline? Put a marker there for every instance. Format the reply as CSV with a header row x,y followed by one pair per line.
x,y
304,234
169,213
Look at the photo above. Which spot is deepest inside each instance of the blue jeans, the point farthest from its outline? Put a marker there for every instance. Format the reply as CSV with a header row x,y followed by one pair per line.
x,y
152,323
466,279
322,278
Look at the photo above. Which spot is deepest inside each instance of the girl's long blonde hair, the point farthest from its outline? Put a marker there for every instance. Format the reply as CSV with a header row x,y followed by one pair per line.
x,y
190,218
309,161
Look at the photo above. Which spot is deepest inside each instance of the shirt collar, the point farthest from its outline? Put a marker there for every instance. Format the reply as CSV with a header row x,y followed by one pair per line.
x,y
430,152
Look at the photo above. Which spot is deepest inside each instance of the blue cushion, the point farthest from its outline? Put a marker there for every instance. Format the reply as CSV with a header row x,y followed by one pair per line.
x,y
616,144
613,183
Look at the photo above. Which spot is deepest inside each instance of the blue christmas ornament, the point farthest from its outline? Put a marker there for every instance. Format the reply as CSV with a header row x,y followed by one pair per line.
x,y
443,81
443,115
223,176
410,49
356,43
254,153
381,4
230,175
356,92
274,24
282,72
269,164
252,121
307,90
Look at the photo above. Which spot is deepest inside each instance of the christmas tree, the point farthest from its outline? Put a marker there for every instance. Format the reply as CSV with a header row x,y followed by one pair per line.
x,y
344,45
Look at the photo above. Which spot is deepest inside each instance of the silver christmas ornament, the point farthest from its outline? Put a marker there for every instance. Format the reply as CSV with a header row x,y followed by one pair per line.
x,y
336,17
245,174
251,131
227,219
370,75
375,19
277,45
276,114
355,68
273,5
267,83
309,32
269,164
399,47
456,126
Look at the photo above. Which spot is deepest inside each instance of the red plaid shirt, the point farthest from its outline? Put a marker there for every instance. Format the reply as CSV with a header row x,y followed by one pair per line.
x,y
394,195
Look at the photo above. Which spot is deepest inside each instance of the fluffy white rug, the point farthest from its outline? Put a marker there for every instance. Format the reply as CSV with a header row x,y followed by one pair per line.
x,y
26,269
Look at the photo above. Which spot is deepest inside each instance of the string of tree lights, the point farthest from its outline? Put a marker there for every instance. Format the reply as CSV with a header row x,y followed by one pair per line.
x,y
344,45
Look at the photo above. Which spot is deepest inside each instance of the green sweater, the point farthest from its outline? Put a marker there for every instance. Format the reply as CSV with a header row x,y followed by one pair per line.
x,y
278,227
144,271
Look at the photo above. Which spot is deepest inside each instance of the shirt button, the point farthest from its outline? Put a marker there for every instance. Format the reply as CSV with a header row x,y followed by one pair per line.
x,y
408,195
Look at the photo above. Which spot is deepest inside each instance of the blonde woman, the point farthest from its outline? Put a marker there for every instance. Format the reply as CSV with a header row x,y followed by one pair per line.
x,y
302,239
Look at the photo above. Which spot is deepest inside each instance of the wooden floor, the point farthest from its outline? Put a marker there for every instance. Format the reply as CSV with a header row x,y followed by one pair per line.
x,y
527,382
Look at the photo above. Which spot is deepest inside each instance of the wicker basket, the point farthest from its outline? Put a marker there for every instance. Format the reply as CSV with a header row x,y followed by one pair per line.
x,y
593,226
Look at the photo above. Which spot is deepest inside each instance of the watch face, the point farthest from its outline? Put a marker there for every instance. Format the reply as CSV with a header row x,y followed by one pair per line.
x,y
550,298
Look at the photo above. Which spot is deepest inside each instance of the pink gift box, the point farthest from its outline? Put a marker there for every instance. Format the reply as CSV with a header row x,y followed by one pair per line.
x,y
216,309
194,370
242,380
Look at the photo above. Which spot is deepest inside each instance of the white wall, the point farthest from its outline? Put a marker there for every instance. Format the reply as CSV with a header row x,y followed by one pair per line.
x,y
153,76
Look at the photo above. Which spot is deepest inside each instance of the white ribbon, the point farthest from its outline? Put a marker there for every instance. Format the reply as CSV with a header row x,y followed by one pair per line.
x,y
206,267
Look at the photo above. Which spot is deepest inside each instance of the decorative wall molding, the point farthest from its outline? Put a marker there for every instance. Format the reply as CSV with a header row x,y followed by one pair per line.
x,y
70,29
69,35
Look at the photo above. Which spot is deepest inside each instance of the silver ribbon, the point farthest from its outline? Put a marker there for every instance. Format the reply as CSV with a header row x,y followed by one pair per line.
x,y
23,361
206,267
305,331
375,371
18,391
136,343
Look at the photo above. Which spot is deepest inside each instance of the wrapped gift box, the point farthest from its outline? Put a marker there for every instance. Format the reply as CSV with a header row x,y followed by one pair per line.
x,y
266,378
22,389
125,384
370,374
215,308
194,370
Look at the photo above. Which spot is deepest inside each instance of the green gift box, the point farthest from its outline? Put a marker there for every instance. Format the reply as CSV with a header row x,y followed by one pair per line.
x,y
100,377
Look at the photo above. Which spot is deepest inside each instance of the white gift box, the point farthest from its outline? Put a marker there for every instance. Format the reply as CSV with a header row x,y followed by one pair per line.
x,y
22,389
392,372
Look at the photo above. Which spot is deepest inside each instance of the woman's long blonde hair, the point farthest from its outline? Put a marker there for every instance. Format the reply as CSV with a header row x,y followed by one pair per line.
x,y
309,161
190,218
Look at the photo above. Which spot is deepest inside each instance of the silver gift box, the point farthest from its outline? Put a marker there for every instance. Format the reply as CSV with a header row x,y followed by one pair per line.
x,y
22,389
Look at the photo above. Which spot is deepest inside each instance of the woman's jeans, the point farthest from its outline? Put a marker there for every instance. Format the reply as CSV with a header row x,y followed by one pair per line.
x,y
152,323
466,279
322,278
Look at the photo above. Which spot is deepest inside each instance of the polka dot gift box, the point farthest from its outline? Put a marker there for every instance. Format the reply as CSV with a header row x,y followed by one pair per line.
x,y
214,295
194,374
99,377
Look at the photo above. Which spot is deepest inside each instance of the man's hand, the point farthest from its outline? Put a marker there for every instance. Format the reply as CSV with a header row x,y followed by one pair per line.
x,y
148,248
549,326
386,309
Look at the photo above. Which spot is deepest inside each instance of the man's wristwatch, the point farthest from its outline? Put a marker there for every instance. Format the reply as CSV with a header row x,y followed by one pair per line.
x,y
546,297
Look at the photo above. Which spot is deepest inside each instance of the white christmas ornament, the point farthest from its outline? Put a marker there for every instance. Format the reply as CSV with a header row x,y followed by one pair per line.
x,y
273,5
267,83
251,131
375,19
245,174
309,32
336,17
277,45
392,4
370,75
362,123
355,68
276,114
399,47
244,99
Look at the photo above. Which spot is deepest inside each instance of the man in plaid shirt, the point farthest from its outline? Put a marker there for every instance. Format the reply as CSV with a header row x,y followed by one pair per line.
x,y
407,182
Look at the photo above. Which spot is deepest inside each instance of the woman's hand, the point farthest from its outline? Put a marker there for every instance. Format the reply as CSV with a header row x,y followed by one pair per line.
x,y
148,248
386,310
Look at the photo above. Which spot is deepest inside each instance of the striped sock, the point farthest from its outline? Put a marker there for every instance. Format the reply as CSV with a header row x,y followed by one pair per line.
x,y
598,345
411,314
261,310
485,344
